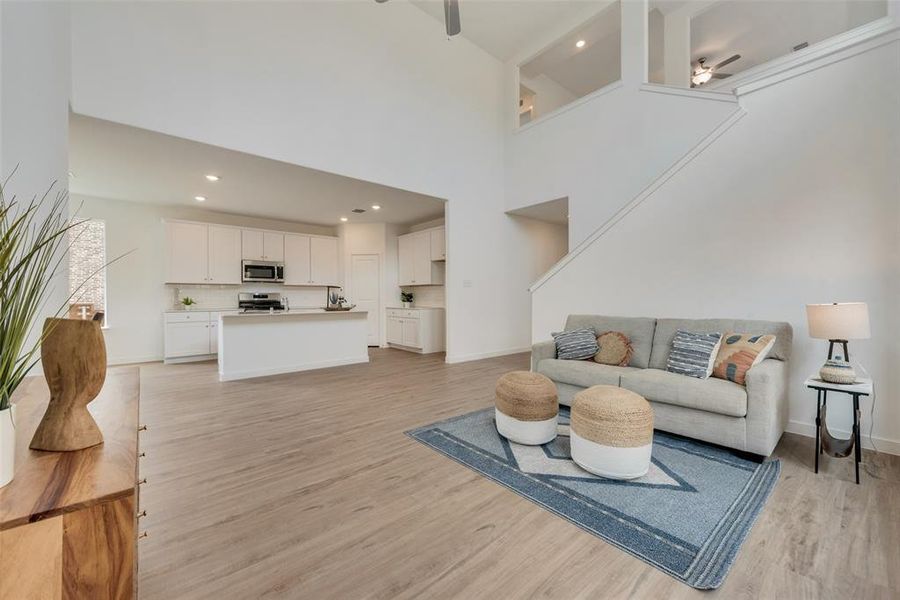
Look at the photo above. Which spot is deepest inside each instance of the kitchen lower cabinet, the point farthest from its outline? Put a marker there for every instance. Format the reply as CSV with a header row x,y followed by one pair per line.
x,y
192,335
416,329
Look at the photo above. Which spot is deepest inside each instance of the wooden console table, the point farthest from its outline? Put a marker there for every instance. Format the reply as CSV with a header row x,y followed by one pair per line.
x,y
68,519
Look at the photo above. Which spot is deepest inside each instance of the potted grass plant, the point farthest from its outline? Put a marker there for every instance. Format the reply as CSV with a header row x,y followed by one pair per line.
x,y
33,244
407,299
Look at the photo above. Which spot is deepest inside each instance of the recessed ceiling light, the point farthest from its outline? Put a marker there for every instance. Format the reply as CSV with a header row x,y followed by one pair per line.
x,y
344,219
376,207
200,198
579,44
212,177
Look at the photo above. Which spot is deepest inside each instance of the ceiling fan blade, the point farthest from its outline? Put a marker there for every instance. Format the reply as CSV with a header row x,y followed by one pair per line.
x,y
451,17
727,61
721,75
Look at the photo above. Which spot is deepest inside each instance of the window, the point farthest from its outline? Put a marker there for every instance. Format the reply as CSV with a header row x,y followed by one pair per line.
x,y
87,272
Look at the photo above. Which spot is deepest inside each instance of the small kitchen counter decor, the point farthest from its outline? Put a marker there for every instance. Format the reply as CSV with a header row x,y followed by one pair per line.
x,y
33,238
406,298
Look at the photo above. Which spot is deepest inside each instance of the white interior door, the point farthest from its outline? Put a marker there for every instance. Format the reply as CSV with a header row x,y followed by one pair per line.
x,y
365,291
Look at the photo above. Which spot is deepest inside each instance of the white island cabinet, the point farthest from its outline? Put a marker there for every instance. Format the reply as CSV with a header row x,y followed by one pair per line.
x,y
260,344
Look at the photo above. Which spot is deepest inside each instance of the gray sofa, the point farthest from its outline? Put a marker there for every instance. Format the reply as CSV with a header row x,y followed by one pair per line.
x,y
750,418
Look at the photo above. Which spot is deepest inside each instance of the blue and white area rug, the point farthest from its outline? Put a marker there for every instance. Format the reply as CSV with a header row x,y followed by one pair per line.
x,y
688,516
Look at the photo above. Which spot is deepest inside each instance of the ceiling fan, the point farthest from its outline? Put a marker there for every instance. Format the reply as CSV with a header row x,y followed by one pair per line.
x,y
451,16
702,73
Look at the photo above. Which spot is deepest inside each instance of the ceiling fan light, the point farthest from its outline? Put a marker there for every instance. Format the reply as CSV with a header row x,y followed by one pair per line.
x,y
701,76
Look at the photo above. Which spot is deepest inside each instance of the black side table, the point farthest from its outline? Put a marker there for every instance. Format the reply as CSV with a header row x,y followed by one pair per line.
x,y
825,442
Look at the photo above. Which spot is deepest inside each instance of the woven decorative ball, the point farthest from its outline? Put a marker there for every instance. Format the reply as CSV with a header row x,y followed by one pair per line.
x,y
526,407
612,432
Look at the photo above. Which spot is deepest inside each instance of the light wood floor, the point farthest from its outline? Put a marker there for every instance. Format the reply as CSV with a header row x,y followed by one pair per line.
x,y
304,486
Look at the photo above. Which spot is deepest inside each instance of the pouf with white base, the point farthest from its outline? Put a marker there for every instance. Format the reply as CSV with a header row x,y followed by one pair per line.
x,y
526,408
611,432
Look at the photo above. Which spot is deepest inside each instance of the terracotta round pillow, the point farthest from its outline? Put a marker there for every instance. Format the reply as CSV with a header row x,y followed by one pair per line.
x,y
615,349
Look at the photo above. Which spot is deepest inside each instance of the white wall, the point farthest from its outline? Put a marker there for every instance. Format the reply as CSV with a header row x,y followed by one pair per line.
x,y
796,204
136,292
372,91
34,94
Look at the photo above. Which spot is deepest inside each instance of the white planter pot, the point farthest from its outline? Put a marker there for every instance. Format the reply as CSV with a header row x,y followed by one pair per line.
x,y
407,304
7,444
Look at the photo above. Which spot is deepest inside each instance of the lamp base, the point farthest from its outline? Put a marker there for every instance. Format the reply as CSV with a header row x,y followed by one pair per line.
x,y
837,371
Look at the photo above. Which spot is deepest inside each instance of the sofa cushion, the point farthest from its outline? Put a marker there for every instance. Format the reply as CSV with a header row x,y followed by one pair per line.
x,y
712,395
638,329
666,328
581,373
577,344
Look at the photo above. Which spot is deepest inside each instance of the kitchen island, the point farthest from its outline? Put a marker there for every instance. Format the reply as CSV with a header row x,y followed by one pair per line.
x,y
257,344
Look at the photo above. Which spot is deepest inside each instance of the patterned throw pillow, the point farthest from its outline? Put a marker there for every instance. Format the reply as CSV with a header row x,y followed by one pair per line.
x,y
577,344
739,352
693,354
614,349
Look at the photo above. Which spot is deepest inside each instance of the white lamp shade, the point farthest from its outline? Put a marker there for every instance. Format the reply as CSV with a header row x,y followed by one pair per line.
x,y
839,321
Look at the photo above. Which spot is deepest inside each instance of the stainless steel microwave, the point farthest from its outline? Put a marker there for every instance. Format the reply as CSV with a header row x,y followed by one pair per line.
x,y
260,270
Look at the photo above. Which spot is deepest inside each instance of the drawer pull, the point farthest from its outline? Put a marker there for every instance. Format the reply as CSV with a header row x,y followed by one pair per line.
x,y
142,428
143,513
143,534
142,481
142,455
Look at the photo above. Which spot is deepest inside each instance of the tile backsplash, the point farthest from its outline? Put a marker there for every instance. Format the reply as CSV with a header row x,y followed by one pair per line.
x,y
425,295
226,296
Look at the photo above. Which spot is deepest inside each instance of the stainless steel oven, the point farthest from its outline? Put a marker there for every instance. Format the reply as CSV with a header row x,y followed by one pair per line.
x,y
260,270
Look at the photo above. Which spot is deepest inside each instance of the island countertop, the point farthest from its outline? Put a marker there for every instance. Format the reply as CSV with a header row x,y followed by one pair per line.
x,y
296,312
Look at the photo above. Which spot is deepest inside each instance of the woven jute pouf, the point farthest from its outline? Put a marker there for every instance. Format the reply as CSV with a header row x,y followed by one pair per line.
x,y
526,408
611,432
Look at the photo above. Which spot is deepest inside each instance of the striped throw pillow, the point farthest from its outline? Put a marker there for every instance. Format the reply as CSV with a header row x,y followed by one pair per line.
x,y
577,344
693,354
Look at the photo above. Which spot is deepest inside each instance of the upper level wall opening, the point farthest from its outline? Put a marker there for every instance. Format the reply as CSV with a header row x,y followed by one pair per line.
x,y
581,62
701,44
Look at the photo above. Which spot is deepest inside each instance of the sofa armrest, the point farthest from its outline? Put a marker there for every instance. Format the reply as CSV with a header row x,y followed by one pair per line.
x,y
540,351
767,405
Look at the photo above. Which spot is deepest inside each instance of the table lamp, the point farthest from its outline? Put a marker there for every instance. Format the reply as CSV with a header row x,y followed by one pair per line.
x,y
837,323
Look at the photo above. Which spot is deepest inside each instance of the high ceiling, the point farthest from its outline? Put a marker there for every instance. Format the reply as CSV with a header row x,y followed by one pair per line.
x,y
114,161
504,27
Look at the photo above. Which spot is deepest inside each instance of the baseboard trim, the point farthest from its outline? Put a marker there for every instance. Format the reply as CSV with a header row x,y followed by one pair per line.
x,y
809,430
251,373
460,358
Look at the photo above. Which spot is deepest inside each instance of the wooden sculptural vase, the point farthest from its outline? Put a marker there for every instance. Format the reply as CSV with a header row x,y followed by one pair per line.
x,y
73,354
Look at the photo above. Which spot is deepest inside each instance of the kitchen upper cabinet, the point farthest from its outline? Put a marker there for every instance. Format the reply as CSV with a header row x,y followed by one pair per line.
x,y
187,252
323,253
310,260
262,245
252,245
273,246
224,263
416,266
296,260
438,244
406,253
